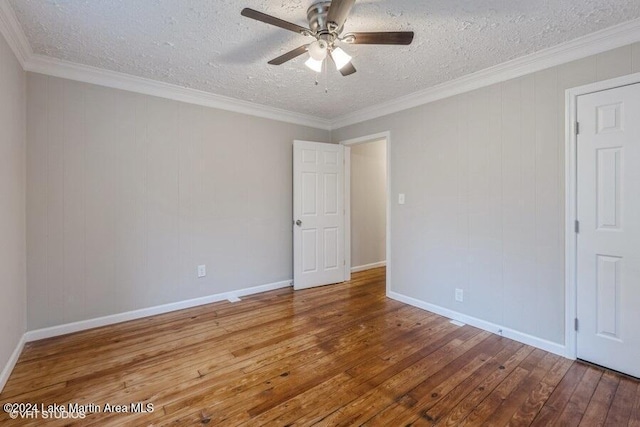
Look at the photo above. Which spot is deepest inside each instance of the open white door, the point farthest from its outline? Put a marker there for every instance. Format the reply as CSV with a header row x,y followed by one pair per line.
x,y
318,214
608,250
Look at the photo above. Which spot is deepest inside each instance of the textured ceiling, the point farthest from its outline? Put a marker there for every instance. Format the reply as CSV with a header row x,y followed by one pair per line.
x,y
207,45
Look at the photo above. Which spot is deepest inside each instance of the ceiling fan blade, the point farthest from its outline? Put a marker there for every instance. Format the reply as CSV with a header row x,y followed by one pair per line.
x,y
383,37
339,11
289,55
272,20
347,70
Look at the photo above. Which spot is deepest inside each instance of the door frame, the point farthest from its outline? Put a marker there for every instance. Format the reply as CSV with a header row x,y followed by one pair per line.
x,y
348,143
571,200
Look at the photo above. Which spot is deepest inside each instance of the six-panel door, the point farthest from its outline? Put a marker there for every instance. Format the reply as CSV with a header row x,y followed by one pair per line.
x,y
608,262
318,214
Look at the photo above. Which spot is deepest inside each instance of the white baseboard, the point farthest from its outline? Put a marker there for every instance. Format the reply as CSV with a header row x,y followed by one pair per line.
x,y
123,317
82,325
368,266
11,363
540,343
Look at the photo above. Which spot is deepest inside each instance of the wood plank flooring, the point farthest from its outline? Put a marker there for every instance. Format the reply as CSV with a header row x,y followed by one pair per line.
x,y
337,355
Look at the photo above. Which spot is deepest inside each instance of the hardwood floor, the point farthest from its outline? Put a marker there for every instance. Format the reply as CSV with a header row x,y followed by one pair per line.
x,y
336,355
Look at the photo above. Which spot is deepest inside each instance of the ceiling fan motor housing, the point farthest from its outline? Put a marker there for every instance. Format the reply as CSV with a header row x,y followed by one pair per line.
x,y
317,17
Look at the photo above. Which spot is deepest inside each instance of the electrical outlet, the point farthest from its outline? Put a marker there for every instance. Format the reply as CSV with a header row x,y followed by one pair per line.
x,y
459,295
202,270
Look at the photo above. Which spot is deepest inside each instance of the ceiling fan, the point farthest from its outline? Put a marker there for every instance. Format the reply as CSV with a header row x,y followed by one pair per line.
x,y
326,21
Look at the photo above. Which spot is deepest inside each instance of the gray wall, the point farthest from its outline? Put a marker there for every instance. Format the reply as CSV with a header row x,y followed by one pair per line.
x,y
483,174
12,203
129,193
368,203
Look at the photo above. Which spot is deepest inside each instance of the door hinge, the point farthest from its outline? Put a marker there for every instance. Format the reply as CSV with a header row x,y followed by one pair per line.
x,y
577,128
575,324
577,226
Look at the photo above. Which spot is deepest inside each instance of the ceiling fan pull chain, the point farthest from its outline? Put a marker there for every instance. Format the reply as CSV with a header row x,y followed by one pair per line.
x,y
326,76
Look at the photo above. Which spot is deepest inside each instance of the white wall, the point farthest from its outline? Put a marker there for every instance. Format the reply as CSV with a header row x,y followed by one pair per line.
x,y
12,204
483,174
128,193
368,203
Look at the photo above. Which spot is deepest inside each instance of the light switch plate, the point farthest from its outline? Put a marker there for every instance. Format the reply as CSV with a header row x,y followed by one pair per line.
x,y
202,270
401,199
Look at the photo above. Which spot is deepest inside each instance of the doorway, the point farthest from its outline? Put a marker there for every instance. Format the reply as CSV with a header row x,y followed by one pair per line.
x,y
366,202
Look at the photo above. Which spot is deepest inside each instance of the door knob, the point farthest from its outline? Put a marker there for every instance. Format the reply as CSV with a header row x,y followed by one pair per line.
x,y
299,223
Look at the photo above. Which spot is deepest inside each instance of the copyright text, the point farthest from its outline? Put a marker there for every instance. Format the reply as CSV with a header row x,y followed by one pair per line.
x,y
25,410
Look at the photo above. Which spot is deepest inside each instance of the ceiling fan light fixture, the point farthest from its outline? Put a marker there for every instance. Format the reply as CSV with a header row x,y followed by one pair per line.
x,y
318,50
340,57
314,64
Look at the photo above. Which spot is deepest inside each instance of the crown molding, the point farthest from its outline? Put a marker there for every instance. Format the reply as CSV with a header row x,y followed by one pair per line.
x,y
36,63
12,31
84,73
591,44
